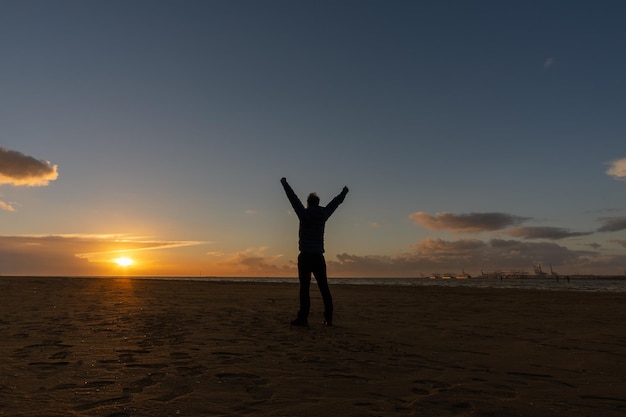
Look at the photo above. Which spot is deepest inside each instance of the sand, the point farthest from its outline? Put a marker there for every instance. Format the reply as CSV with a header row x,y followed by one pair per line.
x,y
121,347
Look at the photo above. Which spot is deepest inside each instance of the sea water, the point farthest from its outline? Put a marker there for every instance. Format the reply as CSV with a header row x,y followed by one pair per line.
x,y
599,284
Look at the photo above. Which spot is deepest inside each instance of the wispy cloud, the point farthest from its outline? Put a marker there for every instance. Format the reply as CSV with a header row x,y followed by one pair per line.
x,y
19,169
549,63
612,224
553,233
617,169
466,223
6,206
72,254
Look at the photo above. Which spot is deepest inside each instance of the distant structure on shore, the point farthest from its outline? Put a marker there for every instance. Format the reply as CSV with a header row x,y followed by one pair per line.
x,y
462,275
538,273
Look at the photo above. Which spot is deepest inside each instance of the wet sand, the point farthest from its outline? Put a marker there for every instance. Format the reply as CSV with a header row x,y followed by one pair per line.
x,y
119,347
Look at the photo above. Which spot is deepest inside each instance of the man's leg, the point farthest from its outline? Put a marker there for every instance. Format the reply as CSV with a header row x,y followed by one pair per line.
x,y
304,276
319,270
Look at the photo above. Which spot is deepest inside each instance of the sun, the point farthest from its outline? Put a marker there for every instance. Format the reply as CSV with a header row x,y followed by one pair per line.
x,y
123,261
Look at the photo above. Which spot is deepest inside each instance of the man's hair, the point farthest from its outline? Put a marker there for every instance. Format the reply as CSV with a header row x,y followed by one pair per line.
x,y
313,200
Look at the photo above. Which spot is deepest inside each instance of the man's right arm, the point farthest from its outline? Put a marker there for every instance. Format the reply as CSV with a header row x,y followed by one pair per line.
x,y
293,198
332,206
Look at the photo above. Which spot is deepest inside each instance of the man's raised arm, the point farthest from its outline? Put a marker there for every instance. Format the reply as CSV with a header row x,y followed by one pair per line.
x,y
332,206
293,198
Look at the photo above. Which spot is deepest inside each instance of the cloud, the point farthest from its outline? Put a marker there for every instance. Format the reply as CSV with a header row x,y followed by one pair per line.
x,y
612,224
438,255
617,169
19,169
495,253
466,223
554,233
89,255
375,224
127,246
85,255
620,242
549,62
26,255
594,245
254,262
6,206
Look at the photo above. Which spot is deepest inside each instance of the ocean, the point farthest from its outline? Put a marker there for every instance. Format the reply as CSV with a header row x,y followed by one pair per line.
x,y
587,284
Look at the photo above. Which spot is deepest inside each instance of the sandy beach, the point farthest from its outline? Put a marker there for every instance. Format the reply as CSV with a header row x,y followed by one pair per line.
x,y
119,347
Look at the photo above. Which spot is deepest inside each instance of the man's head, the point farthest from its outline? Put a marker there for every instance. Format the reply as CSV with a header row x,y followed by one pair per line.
x,y
312,200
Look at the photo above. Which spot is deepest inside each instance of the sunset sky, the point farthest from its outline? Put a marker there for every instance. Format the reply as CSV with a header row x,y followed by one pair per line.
x,y
472,135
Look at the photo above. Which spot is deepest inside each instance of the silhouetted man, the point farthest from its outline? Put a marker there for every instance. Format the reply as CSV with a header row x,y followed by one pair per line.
x,y
311,244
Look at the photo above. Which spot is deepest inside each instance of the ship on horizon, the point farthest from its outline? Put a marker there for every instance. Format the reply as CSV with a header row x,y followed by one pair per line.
x,y
462,275
538,272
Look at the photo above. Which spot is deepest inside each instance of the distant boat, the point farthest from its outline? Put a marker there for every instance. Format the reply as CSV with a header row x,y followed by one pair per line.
x,y
448,275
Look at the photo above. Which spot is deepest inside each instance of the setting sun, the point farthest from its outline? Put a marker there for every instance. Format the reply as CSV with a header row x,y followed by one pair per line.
x,y
123,261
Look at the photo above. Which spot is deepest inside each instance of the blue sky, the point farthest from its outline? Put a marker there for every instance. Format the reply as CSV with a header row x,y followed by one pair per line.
x,y
472,135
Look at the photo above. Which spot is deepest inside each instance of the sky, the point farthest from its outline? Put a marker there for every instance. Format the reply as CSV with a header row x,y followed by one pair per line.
x,y
481,135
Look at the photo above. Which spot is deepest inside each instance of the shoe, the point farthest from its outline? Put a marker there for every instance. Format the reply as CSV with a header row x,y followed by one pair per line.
x,y
328,322
300,322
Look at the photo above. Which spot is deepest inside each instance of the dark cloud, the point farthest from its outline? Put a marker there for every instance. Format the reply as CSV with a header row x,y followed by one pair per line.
x,y
438,255
612,224
41,256
253,262
594,245
612,264
553,233
466,223
19,169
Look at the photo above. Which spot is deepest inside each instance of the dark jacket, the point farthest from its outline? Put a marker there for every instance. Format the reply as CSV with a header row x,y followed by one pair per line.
x,y
312,220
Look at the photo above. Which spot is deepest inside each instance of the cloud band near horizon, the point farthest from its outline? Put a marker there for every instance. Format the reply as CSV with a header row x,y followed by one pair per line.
x,y
466,223
552,233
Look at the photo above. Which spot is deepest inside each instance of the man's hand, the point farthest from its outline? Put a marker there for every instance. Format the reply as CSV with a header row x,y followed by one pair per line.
x,y
345,190
283,180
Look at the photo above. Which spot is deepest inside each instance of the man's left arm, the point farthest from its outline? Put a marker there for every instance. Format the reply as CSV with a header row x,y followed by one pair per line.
x,y
335,202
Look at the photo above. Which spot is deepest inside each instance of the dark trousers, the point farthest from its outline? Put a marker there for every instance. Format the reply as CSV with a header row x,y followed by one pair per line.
x,y
313,263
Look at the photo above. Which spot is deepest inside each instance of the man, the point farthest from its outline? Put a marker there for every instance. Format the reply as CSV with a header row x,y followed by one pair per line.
x,y
311,244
